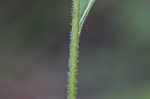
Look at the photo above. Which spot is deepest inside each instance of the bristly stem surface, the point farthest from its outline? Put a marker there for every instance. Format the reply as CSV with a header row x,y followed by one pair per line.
x,y
74,50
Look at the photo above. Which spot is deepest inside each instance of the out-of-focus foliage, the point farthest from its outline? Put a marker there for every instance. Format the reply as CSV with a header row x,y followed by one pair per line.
x,y
132,17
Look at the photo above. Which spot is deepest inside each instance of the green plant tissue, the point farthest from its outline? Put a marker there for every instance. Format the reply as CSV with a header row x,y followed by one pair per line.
x,y
85,7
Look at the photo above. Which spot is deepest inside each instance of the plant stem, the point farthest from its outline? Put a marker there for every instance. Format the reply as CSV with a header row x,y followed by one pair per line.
x,y
74,50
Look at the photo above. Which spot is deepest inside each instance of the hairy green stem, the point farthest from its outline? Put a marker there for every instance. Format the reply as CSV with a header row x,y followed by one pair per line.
x,y
80,12
74,46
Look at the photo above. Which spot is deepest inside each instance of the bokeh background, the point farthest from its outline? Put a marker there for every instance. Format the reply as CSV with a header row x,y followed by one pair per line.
x,y
114,50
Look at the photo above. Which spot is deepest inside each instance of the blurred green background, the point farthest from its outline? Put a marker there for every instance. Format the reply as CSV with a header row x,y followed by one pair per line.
x,y
114,50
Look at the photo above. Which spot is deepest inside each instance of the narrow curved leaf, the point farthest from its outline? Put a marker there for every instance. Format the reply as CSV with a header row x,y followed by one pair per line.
x,y
85,7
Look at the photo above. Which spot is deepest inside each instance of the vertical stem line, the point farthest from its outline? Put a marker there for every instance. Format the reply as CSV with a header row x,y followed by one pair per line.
x,y
74,50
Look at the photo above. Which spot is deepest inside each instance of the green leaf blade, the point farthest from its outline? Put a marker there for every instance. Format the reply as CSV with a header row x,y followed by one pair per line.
x,y
85,7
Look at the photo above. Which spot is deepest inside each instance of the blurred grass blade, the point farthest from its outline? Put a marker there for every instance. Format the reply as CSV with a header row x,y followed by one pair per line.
x,y
85,7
